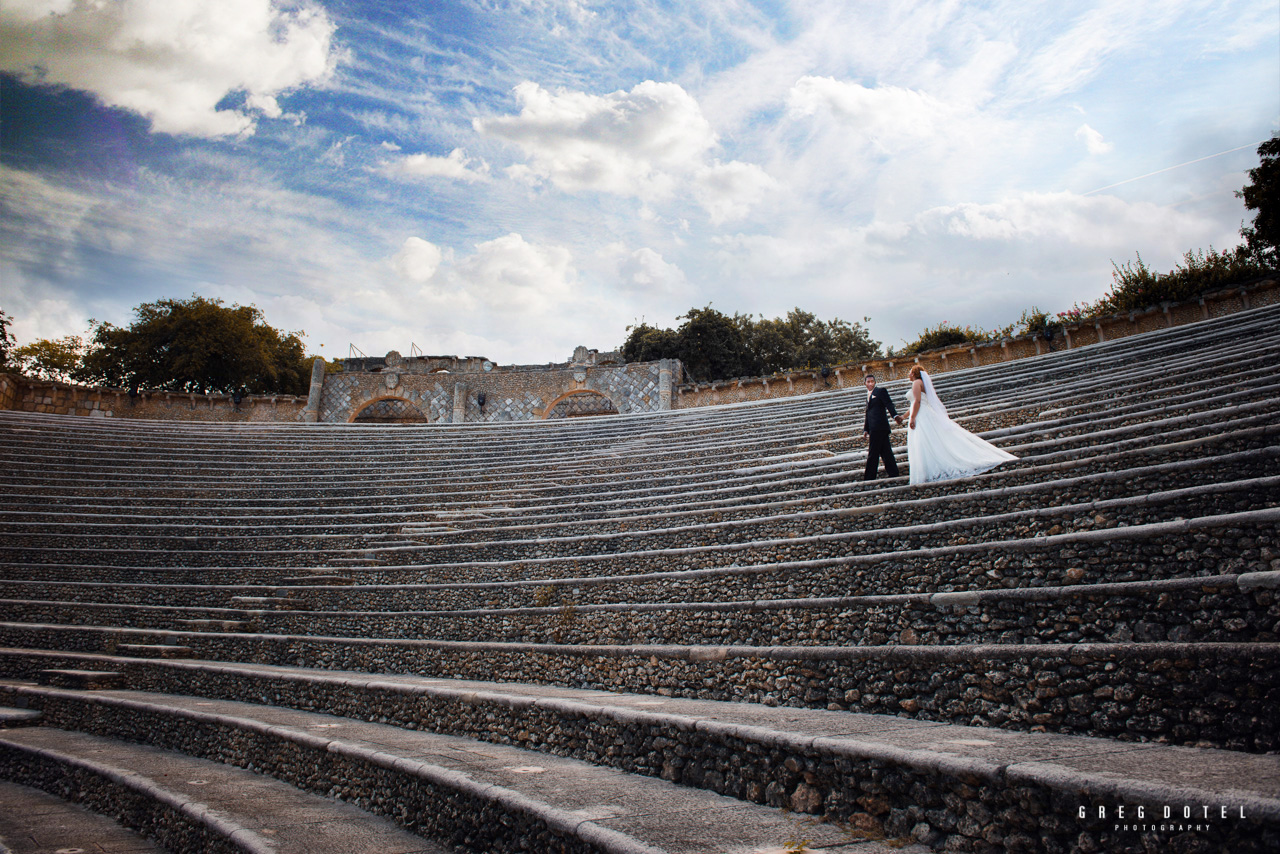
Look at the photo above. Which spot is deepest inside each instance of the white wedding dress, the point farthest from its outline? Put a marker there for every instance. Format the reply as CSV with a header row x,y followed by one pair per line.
x,y
939,448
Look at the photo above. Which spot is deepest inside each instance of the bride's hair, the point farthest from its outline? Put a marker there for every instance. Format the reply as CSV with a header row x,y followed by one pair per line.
x,y
914,373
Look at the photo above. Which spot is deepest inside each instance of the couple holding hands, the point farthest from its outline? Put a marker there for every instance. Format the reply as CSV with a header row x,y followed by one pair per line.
x,y
937,447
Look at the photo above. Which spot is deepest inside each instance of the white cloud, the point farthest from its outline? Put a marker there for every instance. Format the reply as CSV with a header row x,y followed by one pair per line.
x,y
652,142
510,276
172,61
1093,140
456,165
729,190
641,271
625,143
417,260
887,115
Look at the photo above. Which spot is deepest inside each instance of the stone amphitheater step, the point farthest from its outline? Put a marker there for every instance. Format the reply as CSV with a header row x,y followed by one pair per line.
x,y
948,785
658,531
154,650
1232,608
163,546
481,797
11,718
1107,689
35,822
194,805
1238,608
334,534
320,578
213,625
819,563
1133,459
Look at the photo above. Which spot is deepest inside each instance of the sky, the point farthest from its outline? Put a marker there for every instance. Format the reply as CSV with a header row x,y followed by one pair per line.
x,y
513,178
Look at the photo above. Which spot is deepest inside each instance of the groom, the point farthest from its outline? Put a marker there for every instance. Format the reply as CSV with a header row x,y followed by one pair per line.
x,y
876,428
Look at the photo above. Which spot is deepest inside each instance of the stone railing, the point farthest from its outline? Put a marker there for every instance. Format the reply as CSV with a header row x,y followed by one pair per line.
x,y
1092,331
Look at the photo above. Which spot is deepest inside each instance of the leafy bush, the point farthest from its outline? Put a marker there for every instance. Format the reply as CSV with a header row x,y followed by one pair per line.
x,y
949,335
1135,286
1037,322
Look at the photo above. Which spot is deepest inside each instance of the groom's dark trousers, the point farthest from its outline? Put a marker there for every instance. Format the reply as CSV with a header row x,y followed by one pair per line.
x,y
876,426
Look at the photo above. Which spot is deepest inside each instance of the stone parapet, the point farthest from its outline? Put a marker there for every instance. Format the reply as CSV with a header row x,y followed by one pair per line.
x,y
1092,331
25,394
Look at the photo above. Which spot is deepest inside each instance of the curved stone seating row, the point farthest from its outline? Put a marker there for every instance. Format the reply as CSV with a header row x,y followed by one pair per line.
x,y
33,817
953,780
1177,489
339,525
813,533
1231,608
819,396
116,529
1113,413
192,805
1118,690
745,597
673,529
332,540
1138,462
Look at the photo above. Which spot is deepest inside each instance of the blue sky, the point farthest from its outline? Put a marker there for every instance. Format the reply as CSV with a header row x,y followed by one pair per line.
x,y
511,179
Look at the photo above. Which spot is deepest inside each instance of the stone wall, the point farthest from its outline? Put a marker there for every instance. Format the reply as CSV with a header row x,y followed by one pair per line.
x,y
10,391
31,395
1163,316
510,394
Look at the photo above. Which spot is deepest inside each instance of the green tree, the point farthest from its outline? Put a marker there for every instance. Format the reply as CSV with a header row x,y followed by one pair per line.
x,y
714,346
6,340
1262,194
197,345
711,346
647,343
51,358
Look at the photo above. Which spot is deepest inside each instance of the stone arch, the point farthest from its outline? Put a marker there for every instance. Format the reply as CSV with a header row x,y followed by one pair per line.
x,y
388,409
575,404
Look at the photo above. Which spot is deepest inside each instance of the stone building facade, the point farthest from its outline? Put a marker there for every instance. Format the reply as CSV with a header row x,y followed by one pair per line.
x,y
453,390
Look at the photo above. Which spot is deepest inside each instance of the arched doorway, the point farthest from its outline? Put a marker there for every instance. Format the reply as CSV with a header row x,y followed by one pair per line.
x,y
577,404
389,410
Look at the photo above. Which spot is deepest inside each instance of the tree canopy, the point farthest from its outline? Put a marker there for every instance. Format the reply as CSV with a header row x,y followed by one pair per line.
x,y
1262,194
196,345
713,346
50,358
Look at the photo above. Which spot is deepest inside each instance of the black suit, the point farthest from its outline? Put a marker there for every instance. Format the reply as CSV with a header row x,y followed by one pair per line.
x,y
876,425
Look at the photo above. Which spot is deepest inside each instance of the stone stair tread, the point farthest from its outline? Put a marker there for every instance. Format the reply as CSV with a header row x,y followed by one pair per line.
x,y
662,816
225,625
317,580
273,814
11,717
36,821
155,650
1211,770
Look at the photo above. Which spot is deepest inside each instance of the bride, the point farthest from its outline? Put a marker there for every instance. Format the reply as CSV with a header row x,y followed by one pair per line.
x,y
939,448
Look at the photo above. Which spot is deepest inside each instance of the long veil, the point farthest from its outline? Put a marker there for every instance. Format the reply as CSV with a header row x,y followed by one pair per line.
x,y
931,396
